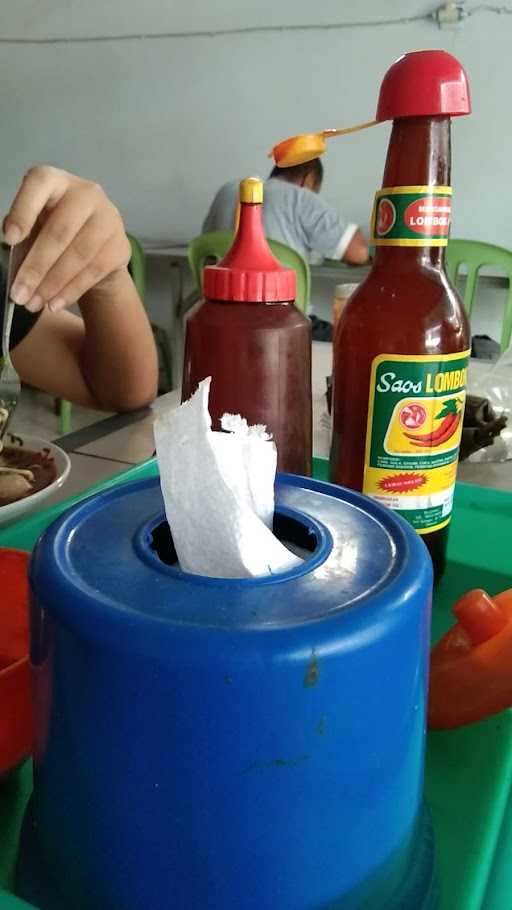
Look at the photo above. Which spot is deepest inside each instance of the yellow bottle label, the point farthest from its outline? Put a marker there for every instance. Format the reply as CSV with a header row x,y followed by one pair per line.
x,y
415,415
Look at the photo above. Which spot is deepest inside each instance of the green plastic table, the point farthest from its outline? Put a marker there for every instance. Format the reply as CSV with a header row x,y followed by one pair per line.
x,y
468,771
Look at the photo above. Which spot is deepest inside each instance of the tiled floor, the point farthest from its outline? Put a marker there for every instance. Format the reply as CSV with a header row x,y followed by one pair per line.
x,y
86,471
131,444
36,415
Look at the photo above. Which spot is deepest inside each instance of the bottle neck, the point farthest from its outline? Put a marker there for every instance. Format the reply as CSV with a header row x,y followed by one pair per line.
x,y
419,154
249,236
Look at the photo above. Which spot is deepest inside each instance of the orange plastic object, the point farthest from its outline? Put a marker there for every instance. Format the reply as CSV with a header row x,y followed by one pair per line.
x,y
299,149
15,692
471,666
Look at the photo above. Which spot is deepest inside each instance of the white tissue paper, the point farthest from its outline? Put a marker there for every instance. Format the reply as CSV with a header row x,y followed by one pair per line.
x,y
218,491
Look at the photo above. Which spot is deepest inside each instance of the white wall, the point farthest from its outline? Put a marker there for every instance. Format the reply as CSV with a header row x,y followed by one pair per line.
x,y
162,123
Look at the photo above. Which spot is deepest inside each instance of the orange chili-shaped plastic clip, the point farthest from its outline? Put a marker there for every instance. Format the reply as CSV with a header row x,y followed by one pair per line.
x,y
471,666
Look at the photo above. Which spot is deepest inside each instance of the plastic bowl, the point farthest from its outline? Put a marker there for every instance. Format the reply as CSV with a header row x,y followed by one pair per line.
x,y
298,149
16,724
22,507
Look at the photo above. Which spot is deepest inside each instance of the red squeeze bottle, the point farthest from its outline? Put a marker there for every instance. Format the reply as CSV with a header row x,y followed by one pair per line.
x,y
401,345
248,335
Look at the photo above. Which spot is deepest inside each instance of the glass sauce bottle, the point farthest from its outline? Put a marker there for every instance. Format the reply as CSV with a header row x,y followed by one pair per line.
x,y
248,335
401,346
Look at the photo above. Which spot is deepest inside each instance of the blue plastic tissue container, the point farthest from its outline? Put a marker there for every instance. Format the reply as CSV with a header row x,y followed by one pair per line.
x,y
209,744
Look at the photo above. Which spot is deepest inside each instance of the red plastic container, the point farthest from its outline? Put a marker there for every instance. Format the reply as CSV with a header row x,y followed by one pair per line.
x,y
424,84
16,723
250,338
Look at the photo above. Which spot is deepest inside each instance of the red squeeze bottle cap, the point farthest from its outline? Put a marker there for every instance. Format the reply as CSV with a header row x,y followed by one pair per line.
x,y
424,84
249,271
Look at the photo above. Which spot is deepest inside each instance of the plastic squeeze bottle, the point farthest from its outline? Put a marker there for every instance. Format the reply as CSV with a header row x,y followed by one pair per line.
x,y
248,335
401,345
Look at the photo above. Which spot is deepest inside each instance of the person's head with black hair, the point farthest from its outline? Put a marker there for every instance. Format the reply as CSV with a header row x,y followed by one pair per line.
x,y
309,174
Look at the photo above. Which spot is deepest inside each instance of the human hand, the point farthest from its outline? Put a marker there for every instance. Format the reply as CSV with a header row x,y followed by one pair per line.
x,y
80,241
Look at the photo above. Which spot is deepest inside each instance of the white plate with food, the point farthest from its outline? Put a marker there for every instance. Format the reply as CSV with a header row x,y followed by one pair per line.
x,y
31,470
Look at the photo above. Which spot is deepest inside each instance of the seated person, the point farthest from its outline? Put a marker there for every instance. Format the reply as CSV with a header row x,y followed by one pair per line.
x,y
294,213
106,357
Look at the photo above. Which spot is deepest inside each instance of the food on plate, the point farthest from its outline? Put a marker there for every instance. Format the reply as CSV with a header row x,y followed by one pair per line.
x,y
23,471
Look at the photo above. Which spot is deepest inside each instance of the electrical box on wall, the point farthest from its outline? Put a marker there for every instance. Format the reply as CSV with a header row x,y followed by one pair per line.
x,y
450,15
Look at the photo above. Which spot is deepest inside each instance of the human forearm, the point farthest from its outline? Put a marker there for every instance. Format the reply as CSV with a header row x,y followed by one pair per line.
x,y
356,252
118,355
79,253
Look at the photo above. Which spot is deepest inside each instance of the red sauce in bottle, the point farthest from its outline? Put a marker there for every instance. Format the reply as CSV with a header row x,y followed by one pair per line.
x,y
401,347
250,338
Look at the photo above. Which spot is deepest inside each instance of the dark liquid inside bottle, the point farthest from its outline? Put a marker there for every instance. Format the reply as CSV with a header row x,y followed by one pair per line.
x,y
258,354
259,358
405,306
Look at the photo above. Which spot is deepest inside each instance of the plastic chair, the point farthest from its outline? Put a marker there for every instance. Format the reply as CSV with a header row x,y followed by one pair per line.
x,y
215,245
64,411
476,255
137,268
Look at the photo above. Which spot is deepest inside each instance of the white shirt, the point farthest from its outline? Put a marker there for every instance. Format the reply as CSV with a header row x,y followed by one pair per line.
x,y
291,214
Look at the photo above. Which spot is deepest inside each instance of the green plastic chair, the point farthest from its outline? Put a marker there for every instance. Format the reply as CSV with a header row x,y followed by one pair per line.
x,y
137,268
64,412
475,255
215,245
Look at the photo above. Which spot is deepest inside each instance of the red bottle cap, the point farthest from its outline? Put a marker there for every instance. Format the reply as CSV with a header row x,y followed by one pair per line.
x,y
424,84
249,270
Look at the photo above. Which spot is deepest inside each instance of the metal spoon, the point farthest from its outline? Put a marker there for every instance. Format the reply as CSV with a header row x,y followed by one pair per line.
x,y
10,386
